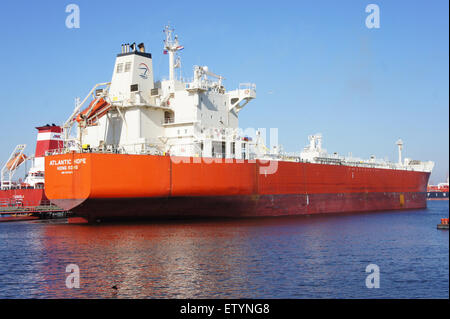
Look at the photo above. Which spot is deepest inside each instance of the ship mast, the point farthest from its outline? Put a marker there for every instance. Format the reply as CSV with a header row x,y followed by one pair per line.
x,y
400,147
171,46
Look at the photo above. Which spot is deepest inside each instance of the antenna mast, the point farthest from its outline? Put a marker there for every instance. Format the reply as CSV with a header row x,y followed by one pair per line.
x,y
400,147
171,46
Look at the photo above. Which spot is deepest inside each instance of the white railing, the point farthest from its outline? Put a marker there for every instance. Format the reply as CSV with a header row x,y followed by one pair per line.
x,y
194,150
247,86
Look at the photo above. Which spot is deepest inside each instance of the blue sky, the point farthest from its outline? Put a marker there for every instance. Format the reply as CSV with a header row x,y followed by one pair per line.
x,y
316,66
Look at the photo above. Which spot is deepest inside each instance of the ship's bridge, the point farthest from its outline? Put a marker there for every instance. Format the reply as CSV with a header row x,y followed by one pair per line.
x,y
135,114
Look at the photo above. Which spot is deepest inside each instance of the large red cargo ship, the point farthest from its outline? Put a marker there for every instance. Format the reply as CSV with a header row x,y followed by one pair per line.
x,y
173,148
106,186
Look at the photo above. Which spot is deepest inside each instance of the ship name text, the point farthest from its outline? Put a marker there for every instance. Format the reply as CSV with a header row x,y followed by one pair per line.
x,y
66,166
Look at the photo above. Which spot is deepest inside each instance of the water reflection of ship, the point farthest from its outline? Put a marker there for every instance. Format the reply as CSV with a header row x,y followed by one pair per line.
x,y
147,260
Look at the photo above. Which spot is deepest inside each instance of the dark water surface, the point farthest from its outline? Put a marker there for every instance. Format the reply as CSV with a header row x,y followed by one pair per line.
x,y
301,257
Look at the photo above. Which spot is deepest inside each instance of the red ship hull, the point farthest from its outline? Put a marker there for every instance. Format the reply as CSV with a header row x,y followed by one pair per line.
x,y
116,186
25,197
245,206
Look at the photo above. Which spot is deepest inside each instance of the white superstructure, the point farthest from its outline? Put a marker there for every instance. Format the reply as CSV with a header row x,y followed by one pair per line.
x,y
196,118
314,153
185,118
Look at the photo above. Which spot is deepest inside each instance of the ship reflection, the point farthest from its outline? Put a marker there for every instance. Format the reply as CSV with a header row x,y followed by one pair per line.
x,y
298,257
197,259
162,260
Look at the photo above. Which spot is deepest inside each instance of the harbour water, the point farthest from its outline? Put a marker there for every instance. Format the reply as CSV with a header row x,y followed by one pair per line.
x,y
294,257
